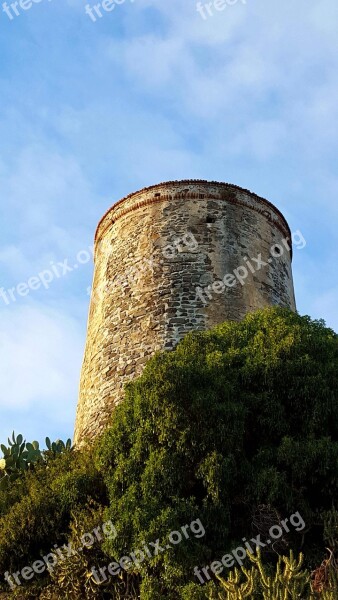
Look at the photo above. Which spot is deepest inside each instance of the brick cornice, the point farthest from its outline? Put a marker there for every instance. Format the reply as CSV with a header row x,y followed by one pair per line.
x,y
262,206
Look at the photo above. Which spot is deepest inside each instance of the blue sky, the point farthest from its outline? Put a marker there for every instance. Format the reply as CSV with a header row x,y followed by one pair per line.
x,y
149,92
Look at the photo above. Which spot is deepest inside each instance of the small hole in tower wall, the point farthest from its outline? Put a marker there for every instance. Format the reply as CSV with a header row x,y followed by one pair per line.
x,y
267,214
210,219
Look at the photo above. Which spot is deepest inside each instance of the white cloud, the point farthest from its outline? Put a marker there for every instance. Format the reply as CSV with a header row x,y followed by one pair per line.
x,y
40,357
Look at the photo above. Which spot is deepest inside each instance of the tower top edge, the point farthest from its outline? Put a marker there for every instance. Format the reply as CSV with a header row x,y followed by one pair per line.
x,y
191,182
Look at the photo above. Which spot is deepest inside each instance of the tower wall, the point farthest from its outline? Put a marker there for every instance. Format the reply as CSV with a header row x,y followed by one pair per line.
x,y
156,252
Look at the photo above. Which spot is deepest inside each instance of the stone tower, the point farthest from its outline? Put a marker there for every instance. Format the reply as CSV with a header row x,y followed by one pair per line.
x,y
169,259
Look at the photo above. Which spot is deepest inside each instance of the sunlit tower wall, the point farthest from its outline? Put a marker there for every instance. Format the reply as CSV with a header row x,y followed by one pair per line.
x,y
161,255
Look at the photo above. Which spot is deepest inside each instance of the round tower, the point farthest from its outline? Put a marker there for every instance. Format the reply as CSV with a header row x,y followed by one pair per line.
x,y
169,259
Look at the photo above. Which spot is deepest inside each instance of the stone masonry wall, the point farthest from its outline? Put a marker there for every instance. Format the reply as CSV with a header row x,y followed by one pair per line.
x,y
153,251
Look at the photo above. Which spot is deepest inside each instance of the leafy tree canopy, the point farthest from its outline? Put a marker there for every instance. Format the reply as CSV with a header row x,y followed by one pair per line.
x,y
241,416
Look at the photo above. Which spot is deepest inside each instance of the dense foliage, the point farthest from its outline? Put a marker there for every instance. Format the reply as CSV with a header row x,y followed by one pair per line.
x,y
35,511
233,431
242,416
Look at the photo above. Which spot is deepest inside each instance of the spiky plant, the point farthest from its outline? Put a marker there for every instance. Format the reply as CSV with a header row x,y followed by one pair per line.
x,y
19,456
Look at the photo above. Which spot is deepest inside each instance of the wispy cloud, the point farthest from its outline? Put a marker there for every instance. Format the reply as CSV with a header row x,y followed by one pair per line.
x,y
93,111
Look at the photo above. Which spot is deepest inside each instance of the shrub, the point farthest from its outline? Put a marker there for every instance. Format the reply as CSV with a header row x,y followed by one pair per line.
x,y
241,416
42,504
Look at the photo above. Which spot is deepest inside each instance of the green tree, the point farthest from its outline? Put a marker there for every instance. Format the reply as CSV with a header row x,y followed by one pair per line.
x,y
241,416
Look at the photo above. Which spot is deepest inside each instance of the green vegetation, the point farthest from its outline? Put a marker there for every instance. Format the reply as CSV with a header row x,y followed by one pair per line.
x,y
238,427
288,581
36,511
20,456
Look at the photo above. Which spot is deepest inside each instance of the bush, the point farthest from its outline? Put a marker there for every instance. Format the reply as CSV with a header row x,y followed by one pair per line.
x,y
38,507
241,416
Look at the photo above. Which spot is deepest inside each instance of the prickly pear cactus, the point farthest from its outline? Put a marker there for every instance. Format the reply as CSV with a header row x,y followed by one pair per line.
x,y
20,456
59,446
17,457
